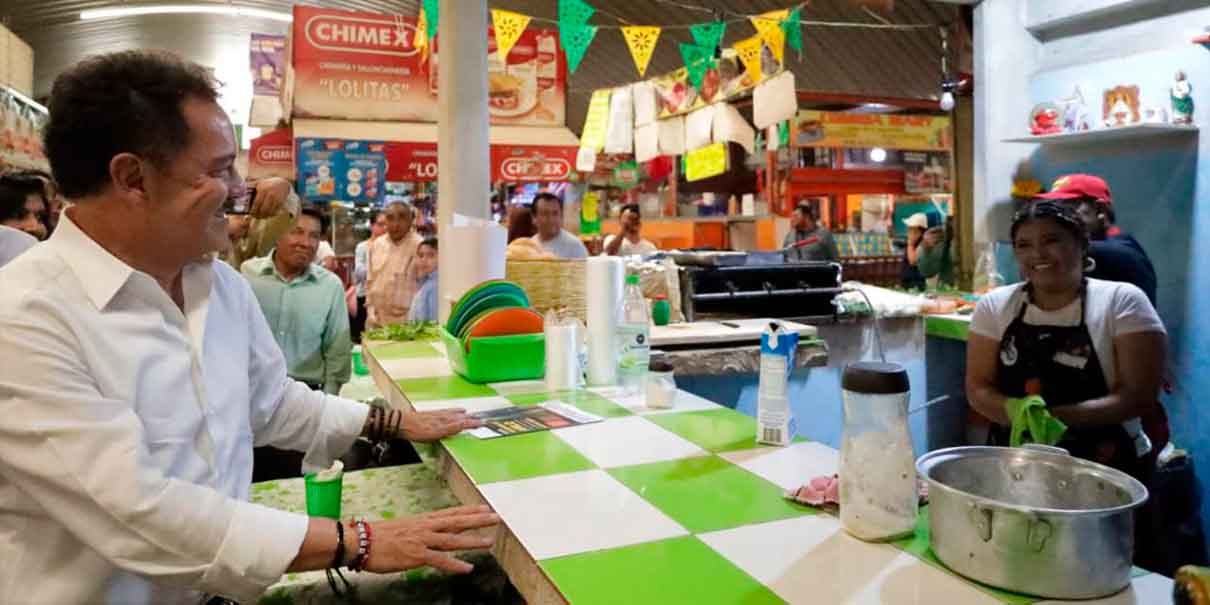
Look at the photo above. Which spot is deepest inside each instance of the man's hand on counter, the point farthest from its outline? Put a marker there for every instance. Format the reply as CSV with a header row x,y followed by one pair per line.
x,y
434,426
421,540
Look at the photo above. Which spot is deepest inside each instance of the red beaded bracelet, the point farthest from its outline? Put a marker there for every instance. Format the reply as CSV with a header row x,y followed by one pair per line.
x,y
364,541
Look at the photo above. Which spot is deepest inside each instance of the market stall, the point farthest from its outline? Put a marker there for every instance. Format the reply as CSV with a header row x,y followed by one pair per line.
x,y
681,502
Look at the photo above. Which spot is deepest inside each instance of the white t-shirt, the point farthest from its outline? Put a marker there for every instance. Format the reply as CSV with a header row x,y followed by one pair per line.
x,y
629,248
1113,309
565,245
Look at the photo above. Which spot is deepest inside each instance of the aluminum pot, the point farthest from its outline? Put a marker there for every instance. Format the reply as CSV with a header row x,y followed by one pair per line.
x,y
1032,521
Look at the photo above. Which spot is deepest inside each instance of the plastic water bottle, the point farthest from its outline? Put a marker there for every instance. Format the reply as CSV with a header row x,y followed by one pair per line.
x,y
634,332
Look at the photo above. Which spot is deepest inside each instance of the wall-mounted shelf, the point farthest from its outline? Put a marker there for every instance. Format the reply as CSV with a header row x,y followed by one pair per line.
x,y
1105,134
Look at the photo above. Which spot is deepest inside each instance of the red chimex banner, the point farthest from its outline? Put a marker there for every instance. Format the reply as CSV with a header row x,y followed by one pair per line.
x,y
518,163
272,154
364,66
513,163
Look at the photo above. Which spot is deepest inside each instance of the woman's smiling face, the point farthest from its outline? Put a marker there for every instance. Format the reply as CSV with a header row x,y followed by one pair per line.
x,y
1049,255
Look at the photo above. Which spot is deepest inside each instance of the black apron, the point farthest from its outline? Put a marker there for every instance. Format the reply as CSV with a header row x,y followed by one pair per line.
x,y
1060,364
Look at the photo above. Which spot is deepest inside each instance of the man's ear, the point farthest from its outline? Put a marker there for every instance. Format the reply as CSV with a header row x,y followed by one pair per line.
x,y
127,175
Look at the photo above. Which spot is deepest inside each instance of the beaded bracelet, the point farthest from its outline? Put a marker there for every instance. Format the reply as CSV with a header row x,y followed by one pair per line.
x,y
364,540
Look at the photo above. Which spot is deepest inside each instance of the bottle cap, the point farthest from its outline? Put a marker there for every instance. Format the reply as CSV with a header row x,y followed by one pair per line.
x,y
873,378
632,280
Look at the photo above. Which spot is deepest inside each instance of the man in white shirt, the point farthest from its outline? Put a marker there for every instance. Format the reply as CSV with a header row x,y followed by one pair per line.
x,y
548,217
630,241
361,270
136,373
13,242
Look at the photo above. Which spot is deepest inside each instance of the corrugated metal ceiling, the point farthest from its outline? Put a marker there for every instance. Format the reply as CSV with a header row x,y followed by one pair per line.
x,y
874,62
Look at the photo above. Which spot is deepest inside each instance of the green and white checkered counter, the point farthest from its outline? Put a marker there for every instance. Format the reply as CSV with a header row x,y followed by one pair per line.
x,y
667,507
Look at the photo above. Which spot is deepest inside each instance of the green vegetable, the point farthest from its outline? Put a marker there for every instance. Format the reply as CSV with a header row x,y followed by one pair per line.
x,y
405,332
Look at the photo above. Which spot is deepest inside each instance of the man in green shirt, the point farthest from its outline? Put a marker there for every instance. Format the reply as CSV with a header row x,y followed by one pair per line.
x,y
304,305
938,256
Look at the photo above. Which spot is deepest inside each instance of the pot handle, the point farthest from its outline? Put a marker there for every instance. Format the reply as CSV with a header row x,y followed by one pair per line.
x,y
981,518
1039,531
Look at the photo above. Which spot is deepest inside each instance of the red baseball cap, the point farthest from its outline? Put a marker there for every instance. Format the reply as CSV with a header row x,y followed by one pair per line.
x,y
1073,186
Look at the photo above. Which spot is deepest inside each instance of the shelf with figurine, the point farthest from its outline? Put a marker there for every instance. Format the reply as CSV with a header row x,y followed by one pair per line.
x,y
1123,116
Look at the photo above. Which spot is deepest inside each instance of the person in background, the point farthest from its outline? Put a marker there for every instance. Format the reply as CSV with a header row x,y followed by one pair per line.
x,y
1117,255
50,194
424,304
361,268
630,241
324,253
136,373
910,277
808,241
273,207
937,260
305,307
23,204
520,223
391,280
548,217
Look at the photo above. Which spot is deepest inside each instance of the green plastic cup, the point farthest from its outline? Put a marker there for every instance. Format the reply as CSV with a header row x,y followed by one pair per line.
x,y
359,364
323,497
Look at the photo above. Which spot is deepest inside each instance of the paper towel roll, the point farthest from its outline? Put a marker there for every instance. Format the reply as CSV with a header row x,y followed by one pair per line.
x,y
603,291
562,356
480,245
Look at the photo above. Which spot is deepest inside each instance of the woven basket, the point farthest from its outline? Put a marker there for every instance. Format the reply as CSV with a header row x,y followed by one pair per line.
x,y
551,284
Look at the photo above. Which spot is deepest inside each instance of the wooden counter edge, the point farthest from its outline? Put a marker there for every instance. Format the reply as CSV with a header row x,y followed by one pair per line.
x,y
524,572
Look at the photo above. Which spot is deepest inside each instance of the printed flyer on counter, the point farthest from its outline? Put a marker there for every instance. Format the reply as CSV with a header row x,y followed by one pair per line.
x,y
519,420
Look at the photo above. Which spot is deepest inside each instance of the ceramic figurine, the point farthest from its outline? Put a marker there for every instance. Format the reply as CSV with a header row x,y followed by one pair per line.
x,y
1121,106
1182,100
1075,112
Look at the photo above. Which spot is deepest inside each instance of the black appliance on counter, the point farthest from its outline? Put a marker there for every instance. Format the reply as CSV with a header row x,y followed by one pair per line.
x,y
760,289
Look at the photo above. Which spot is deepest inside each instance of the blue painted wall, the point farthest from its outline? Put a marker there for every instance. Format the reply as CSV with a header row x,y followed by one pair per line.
x,y
1160,188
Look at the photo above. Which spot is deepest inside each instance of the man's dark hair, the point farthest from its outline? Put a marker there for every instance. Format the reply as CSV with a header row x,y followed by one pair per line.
x,y
806,210
430,242
547,197
14,189
317,214
632,208
127,102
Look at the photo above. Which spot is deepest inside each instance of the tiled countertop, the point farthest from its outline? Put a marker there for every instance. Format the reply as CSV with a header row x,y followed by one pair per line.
x,y
669,506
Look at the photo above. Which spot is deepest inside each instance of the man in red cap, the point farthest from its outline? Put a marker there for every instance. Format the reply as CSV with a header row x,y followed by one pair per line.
x,y
1118,256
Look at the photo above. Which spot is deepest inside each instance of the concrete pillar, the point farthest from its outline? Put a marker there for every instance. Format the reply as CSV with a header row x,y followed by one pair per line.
x,y
1006,57
463,178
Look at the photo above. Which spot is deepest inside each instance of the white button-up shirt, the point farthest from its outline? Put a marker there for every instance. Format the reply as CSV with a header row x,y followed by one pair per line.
x,y
127,427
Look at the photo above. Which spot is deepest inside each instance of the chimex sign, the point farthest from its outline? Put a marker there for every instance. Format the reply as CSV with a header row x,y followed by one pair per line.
x,y
364,66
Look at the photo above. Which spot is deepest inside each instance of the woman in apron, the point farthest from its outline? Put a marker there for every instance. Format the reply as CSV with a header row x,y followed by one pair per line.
x,y
1093,350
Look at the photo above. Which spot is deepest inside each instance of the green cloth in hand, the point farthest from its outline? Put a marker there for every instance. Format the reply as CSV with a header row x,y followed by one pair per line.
x,y
1032,422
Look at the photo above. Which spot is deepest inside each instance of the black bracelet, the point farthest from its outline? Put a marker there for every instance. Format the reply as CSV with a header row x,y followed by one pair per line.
x,y
338,561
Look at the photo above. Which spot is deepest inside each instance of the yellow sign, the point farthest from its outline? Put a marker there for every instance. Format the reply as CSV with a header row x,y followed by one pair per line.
x,y
890,131
508,27
706,162
641,40
589,210
595,122
768,26
748,50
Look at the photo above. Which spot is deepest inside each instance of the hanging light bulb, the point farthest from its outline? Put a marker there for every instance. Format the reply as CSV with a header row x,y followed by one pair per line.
x,y
947,101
